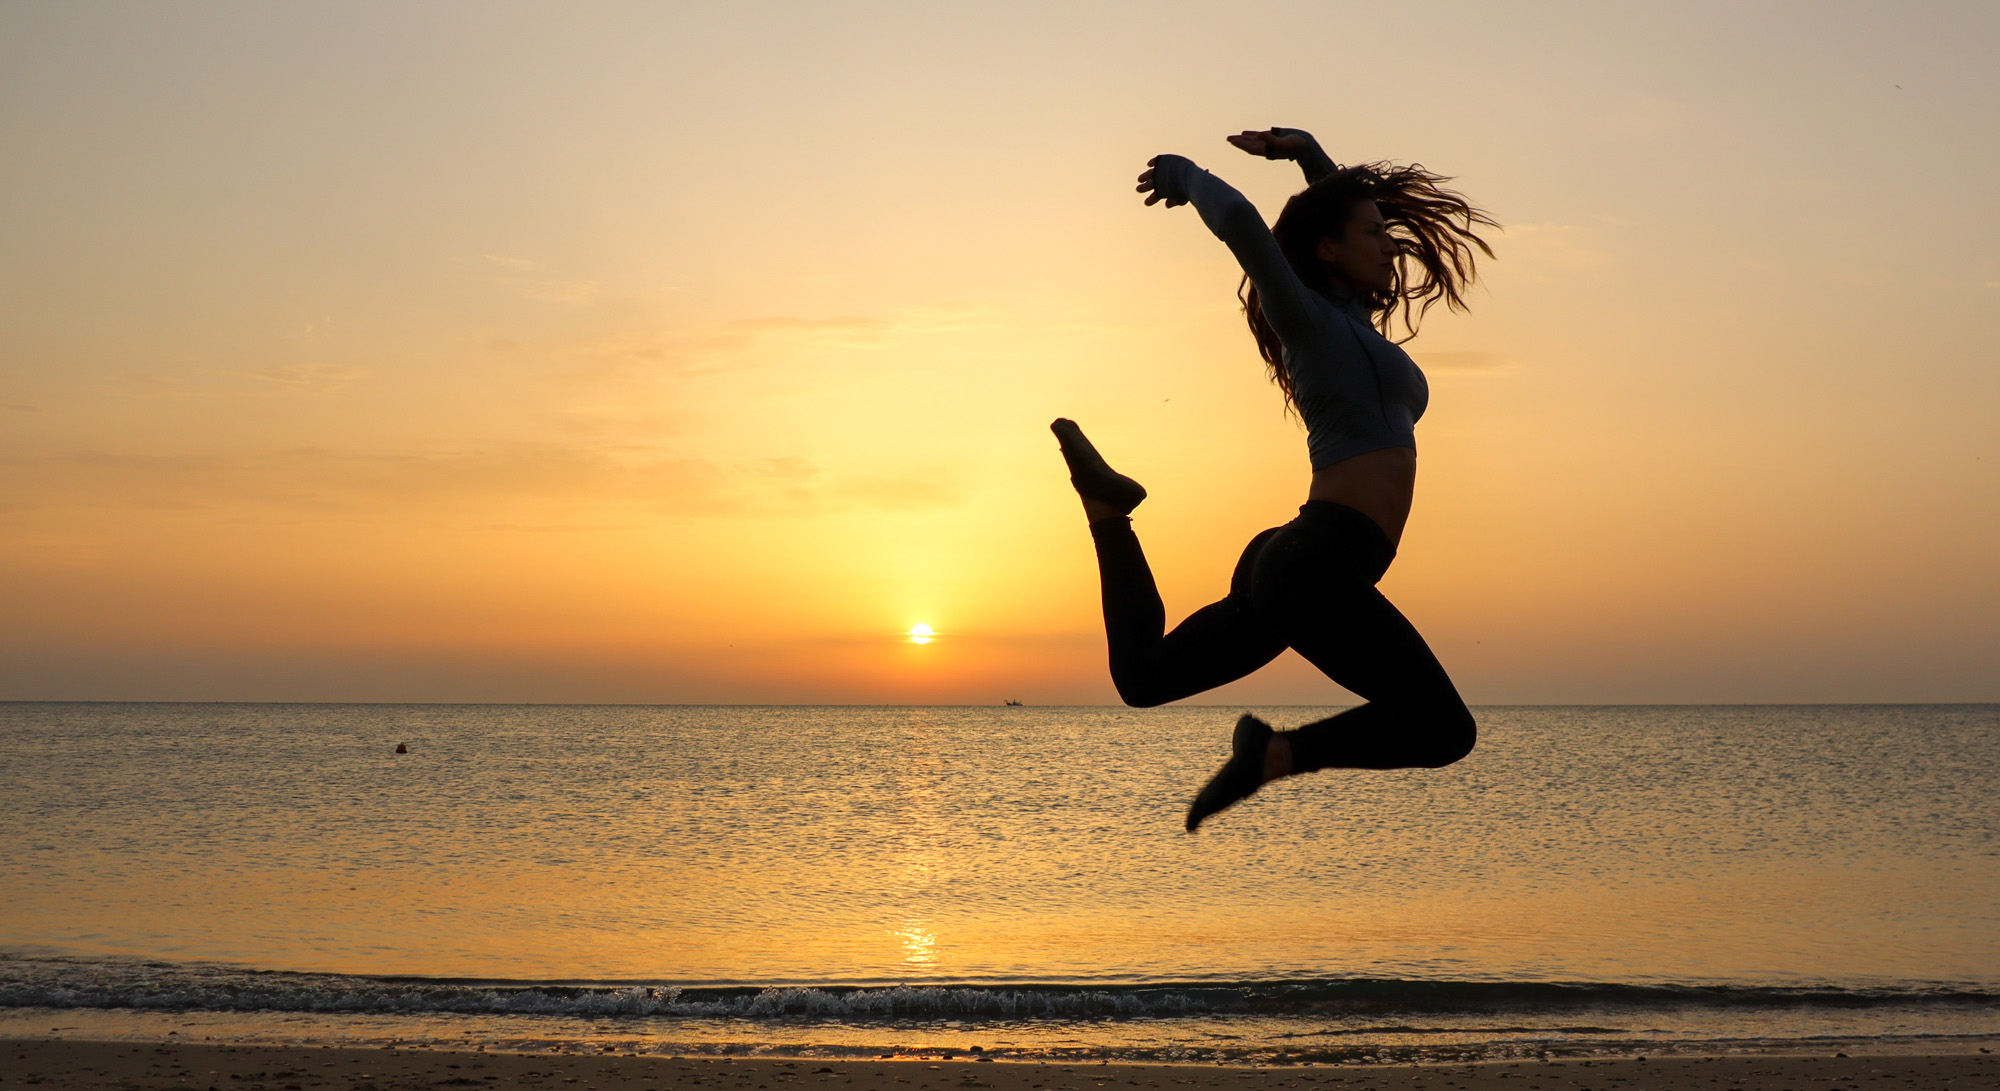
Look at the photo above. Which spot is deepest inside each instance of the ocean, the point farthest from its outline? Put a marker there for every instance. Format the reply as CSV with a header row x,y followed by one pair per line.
x,y
1007,883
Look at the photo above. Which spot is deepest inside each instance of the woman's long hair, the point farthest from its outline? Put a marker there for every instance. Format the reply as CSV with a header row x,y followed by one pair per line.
x,y
1433,227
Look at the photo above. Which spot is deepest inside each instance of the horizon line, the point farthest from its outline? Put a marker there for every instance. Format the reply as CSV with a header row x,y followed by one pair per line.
x,y
961,704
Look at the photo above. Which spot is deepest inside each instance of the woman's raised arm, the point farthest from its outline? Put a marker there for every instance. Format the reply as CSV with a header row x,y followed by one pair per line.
x,y
1230,215
1294,144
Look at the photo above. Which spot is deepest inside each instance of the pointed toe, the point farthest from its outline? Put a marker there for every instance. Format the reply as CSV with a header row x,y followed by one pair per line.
x,y
1240,776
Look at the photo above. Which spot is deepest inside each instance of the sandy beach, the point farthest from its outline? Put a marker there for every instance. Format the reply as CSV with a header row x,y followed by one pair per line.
x,y
62,1065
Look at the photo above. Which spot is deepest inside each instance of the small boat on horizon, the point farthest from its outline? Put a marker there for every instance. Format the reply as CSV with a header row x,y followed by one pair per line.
x,y
1013,704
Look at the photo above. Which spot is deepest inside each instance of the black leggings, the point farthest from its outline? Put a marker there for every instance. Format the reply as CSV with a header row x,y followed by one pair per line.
x,y
1308,585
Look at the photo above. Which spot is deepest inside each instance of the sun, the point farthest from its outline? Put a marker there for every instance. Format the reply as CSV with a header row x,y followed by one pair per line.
x,y
920,633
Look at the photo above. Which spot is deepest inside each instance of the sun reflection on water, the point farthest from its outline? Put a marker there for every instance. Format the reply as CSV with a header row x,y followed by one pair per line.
x,y
918,861
918,939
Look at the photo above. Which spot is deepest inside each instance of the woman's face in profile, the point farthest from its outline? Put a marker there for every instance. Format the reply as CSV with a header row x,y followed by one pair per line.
x,y
1364,256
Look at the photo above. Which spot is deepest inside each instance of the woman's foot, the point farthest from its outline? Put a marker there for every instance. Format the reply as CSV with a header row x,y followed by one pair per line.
x,y
1240,776
1106,493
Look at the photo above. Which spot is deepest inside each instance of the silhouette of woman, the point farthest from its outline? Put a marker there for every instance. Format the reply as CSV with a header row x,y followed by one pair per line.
x,y
1361,247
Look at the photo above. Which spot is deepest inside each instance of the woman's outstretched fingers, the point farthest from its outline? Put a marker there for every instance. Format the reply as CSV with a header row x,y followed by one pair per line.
x,y
1250,140
1146,182
1269,143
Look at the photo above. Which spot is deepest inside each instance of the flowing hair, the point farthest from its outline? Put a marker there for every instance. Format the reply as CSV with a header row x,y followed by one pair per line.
x,y
1434,229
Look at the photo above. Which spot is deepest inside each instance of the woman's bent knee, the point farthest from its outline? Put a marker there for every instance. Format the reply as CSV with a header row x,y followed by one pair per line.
x,y
1453,734
1140,692
1143,699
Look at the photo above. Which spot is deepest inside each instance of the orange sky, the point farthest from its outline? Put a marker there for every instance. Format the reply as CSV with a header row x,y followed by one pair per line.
x,y
692,352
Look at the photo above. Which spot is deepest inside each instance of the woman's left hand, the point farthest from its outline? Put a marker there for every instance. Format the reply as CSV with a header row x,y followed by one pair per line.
x,y
1272,143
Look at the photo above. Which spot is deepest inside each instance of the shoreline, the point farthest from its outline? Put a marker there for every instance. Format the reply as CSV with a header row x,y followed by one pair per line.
x,y
66,1064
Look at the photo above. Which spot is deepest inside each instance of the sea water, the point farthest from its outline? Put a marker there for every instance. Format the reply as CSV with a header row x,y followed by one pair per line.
x,y
844,881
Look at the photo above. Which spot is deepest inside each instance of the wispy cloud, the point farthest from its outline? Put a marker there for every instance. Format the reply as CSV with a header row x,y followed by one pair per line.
x,y
862,330
788,468
530,278
318,377
1556,247
705,348
1473,362
932,490
319,478
805,482
1650,117
269,380
356,483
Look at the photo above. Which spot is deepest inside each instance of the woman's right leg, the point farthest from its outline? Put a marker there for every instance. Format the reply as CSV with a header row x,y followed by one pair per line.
x,y
1414,717
1316,587
1217,644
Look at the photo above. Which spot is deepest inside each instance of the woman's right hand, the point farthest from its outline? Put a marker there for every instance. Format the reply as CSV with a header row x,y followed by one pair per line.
x,y
1272,143
1148,183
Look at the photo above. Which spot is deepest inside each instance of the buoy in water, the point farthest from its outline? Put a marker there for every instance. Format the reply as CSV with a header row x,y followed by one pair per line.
x,y
402,748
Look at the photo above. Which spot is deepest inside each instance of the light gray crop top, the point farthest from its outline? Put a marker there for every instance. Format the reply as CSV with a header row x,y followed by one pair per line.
x,y
1357,390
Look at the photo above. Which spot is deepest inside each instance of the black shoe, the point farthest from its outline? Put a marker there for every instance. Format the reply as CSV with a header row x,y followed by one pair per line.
x,y
1240,777
1088,472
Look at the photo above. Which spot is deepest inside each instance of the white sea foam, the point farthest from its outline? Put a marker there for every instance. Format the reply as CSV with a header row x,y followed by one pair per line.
x,y
123,983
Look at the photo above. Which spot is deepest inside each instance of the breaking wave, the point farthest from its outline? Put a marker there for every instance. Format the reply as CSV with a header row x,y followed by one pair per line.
x,y
133,984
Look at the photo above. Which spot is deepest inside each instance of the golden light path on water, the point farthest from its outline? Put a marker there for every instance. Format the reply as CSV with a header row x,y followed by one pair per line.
x,y
917,870
885,844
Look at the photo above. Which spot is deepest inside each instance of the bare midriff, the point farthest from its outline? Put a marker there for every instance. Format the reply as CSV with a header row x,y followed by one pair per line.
x,y
1379,484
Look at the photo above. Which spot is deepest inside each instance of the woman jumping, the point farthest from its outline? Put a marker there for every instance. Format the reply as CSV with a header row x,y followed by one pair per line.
x,y
1360,246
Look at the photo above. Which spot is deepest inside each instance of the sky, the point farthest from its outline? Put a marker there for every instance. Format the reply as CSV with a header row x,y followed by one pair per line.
x,y
697,352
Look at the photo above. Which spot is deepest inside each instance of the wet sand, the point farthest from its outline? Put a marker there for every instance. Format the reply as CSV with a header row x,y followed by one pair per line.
x,y
63,1065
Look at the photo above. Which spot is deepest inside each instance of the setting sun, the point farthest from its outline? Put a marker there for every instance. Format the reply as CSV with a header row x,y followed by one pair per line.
x,y
920,633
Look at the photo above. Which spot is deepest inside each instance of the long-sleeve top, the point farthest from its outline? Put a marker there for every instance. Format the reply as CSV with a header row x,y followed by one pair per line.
x,y
1357,390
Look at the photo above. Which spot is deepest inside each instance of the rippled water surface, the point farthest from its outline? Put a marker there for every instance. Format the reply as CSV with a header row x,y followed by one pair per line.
x,y
1850,850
